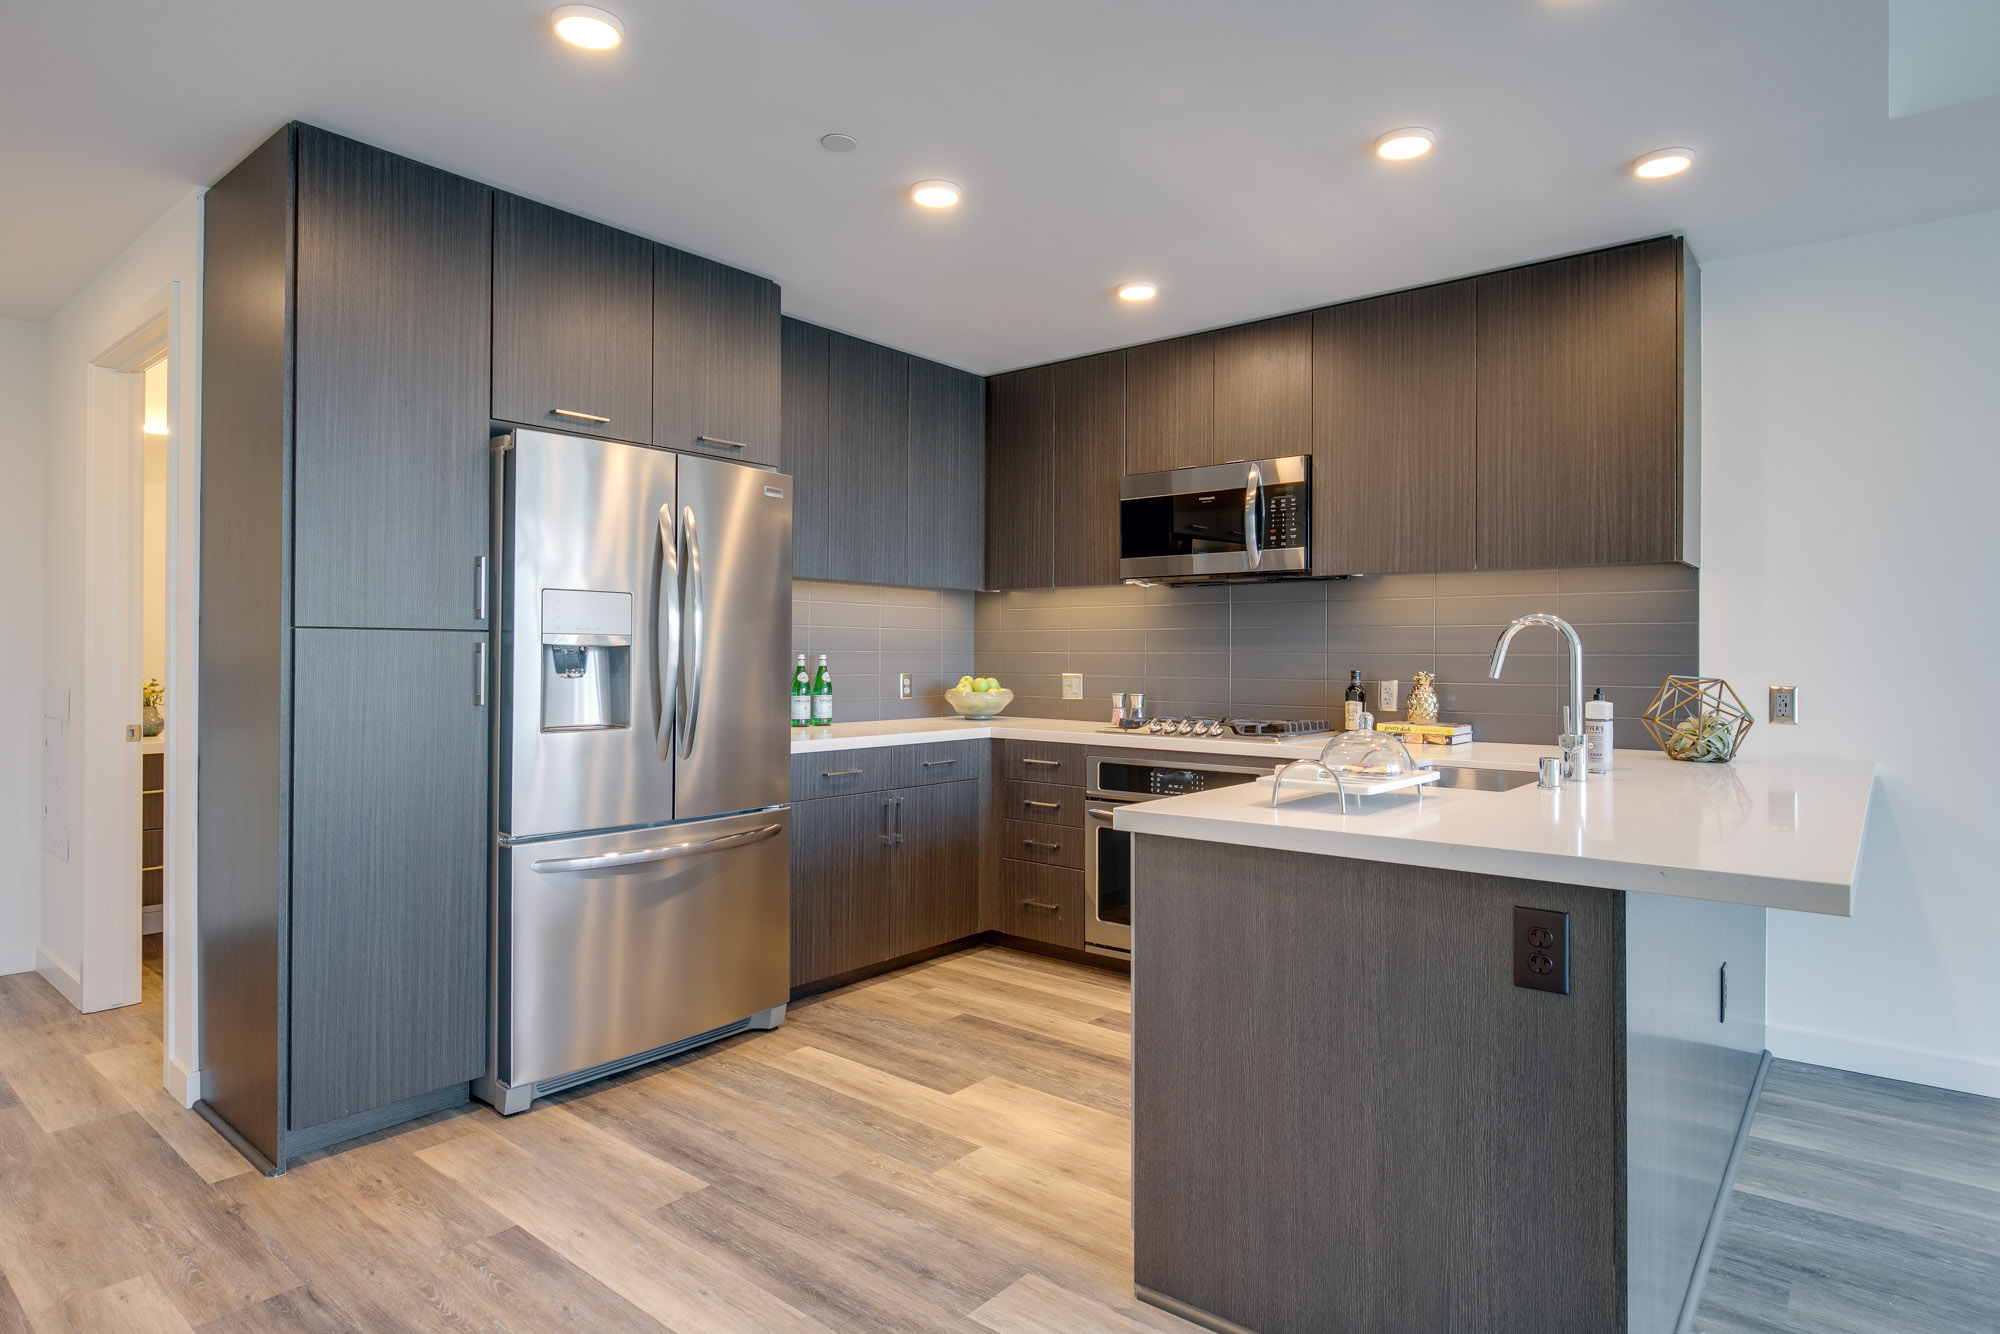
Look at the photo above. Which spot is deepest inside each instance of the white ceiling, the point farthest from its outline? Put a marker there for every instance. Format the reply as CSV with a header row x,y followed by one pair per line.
x,y
1219,148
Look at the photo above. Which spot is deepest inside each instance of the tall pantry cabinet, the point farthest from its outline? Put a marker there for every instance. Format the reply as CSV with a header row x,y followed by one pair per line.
x,y
345,500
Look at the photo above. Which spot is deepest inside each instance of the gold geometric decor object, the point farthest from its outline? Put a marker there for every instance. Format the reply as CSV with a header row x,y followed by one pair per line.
x,y
1422,706
1697,718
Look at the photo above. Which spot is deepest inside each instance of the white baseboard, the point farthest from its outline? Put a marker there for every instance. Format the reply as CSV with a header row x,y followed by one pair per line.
x,y
19,960
151,919
59,976
183,1083
1909,1064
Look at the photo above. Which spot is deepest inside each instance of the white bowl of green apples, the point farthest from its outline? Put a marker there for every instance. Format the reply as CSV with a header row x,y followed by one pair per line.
x,y
978,697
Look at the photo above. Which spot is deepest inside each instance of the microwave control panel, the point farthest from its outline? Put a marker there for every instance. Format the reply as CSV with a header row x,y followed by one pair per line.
x,y
1284,516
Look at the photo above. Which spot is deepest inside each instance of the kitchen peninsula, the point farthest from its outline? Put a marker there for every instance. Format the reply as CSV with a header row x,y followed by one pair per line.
x,y
1357,1106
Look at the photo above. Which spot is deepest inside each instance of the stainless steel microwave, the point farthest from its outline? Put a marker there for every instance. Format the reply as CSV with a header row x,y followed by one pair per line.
x,y
1230,521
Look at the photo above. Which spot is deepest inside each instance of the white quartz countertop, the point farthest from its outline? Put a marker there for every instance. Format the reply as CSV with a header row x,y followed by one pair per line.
x,y
1770,833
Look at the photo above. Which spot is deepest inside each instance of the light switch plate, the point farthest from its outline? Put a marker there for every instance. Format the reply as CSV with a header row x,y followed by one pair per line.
x,y
906,685
1785,705
1072,685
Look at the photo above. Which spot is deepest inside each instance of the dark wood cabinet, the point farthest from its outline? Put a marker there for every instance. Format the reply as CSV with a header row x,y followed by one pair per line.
x,y
1170,405
1394,434
1263,389
1020,478
935,897
841,886
947,476
1044,903
388,891
715,359
1581,379
572,323
394,273
1054,453
1088,415
887,455
878,875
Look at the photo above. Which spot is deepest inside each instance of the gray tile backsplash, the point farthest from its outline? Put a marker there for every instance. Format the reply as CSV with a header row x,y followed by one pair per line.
x,y
1285,649
872,634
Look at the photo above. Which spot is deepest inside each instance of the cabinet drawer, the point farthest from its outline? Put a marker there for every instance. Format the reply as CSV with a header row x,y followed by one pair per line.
x,y
1039,762
835,773
1050,844
940,762
1042,803
1043,903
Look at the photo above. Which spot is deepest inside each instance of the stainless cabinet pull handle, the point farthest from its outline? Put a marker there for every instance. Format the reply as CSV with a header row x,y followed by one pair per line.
x,y
558,865
886,838
720,443
1037,903
578,416
932,764
479,589
1051,764
841,773
1043,805
899,817
1036,843
479,675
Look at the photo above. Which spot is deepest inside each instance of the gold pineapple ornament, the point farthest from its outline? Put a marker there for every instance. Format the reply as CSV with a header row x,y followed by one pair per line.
x,y
1423,705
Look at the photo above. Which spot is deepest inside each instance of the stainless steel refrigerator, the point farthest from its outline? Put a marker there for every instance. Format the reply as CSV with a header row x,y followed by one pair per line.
x,y
642,868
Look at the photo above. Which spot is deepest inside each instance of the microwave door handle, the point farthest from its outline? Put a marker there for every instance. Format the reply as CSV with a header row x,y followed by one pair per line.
x,y
1253,506
694,658
667,631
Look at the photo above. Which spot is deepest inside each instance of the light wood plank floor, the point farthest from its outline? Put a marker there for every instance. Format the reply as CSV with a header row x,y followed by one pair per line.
x,y
945,1148
1863,1206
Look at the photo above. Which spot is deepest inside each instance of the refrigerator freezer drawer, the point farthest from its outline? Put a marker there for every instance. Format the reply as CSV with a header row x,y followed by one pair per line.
x,y
620,943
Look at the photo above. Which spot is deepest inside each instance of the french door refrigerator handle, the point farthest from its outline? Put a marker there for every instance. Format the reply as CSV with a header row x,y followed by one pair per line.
x,y
694,659
667,631
670,852
1253,501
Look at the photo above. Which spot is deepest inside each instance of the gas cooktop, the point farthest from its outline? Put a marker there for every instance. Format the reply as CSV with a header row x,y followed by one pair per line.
x,y
1265,729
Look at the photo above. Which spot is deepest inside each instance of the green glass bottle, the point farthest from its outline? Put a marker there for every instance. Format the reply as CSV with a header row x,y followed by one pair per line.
x,y
802,714
822,694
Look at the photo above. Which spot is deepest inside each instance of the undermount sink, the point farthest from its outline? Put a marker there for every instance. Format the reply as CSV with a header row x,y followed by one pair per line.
x,y
1464,777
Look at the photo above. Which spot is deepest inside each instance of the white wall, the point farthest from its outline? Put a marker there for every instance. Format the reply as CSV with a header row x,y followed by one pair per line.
x,y
1851,535
22,375
158,270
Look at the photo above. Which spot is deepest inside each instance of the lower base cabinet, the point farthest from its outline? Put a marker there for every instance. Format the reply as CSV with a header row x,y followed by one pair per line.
x,y
1037,902
878,875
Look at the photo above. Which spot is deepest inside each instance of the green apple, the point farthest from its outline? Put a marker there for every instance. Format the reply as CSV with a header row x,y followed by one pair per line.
x,y
979,686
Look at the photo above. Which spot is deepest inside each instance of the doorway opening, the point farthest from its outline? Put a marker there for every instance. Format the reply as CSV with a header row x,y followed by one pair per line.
x,y
154,438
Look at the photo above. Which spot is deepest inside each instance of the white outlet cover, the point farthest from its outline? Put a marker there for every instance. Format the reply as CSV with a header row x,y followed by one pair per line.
x,y
1384,695
1072,685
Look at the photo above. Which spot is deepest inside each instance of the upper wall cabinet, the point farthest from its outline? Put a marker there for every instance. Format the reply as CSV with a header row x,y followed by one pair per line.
x,y
1170,405
1582,373
947,476
1263,389
1394,440
887,455
389,407
715,359
1020,479
1088,432
572,323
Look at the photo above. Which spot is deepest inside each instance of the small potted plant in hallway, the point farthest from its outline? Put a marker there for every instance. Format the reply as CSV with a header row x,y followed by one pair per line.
x,y
152,721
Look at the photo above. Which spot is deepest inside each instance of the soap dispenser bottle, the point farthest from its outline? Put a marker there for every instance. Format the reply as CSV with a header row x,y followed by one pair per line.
x,y
1597,733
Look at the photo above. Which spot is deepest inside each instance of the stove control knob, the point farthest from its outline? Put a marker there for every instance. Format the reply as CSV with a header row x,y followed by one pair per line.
x,y
1157,726
1186,726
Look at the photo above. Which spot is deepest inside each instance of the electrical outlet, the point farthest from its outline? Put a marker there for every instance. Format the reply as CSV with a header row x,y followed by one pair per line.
x,y
1384,695
1785,704
907,686
1541,950
1072,685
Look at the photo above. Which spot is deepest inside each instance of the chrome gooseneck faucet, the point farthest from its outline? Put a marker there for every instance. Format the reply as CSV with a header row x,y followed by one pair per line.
x,y
1569,737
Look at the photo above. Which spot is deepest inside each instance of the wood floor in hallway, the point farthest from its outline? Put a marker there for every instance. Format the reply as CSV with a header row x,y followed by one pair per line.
x,y
941,1149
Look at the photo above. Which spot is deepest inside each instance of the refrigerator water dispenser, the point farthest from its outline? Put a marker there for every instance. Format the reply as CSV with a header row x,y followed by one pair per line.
x,y
586,660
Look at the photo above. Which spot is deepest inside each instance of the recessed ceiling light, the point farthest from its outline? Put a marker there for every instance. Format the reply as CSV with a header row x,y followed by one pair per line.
x,y
589,27
1398,145
934,194
1663,162
1138,291
839,143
